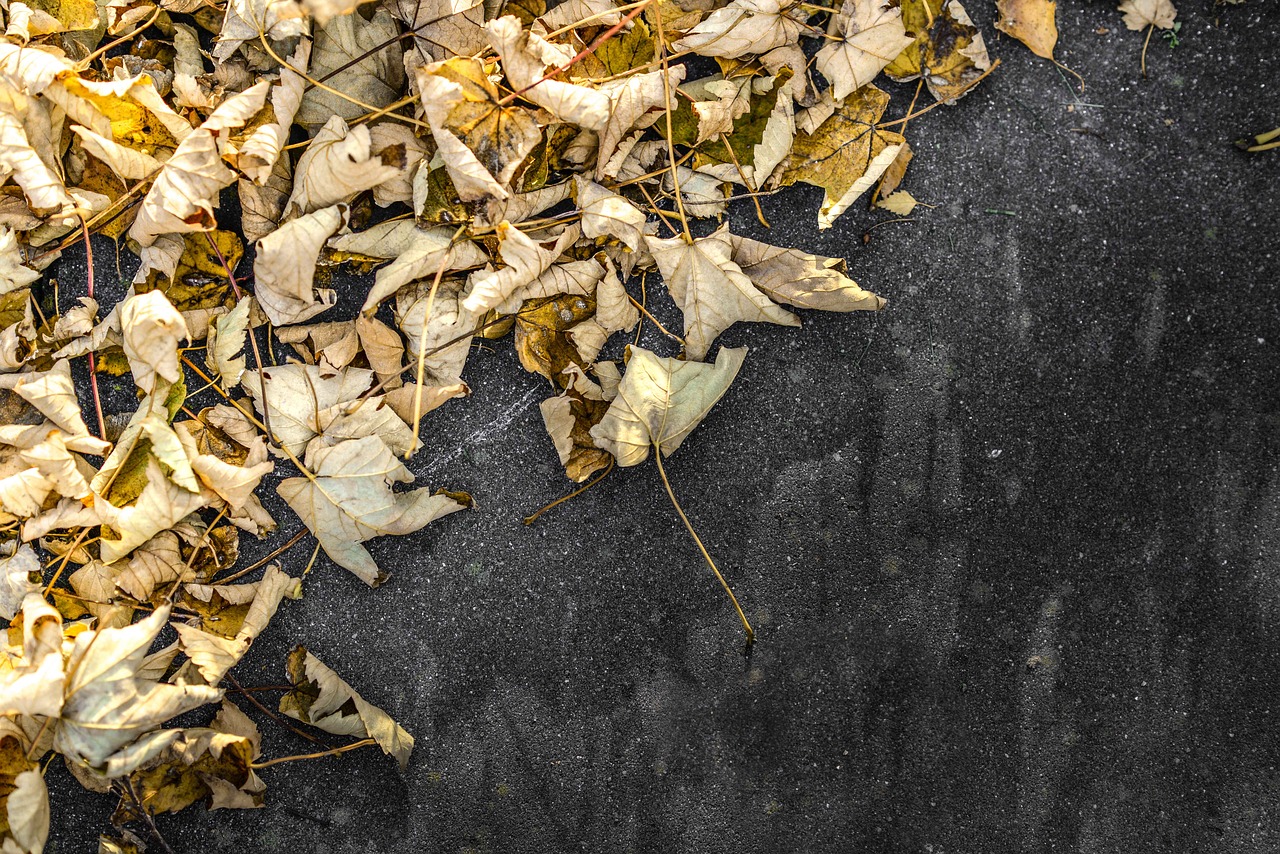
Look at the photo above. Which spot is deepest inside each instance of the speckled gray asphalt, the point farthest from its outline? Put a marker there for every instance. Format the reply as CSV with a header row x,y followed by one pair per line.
x,y
1011,545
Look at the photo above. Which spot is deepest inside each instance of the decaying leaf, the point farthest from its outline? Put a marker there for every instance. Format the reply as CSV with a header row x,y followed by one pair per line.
x,y
948,51
847,154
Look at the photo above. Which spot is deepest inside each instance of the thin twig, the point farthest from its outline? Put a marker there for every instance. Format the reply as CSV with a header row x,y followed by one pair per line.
x,y
671,142
293,541
422,337
656,322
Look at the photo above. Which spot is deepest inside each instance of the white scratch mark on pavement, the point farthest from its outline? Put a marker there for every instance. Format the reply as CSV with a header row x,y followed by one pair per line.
x,y
489,430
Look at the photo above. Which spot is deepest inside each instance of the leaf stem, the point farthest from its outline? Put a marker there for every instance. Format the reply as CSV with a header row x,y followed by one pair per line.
x,y
93,366
935,104
1151,29
248,695
671,143
751,635
422,337
365,742
530,519
253,338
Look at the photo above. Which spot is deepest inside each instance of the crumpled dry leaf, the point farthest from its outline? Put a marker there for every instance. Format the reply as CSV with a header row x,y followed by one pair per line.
x,y
153,329
350,500
13,273
660,401
110,716
285,267
27,814
322,699
948,51
745,27
800,279
247,20
581,105
525,260
336,165
226,340
184,194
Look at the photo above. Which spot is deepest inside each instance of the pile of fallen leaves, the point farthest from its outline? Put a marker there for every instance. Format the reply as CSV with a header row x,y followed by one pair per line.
x,y
509,170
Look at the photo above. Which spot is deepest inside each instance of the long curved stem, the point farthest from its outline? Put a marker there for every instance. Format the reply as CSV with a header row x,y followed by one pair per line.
x,y
367,742
751,634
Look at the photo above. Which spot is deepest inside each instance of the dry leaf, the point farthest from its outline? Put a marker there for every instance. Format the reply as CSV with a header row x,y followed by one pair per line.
x,y
285,267
660,401
1140,14
711,289
322,699
872,36
847,154
350,500
1031,22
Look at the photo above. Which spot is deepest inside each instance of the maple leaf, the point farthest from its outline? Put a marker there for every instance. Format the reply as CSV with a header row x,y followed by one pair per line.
x,y
27,814
581,105
525,260
569,418
322,699
481,140
872,37
1140,14
361,63
660,401
13,273
296,394
800,279
256,156
415,252
711,289
185,192
349,500
110,715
